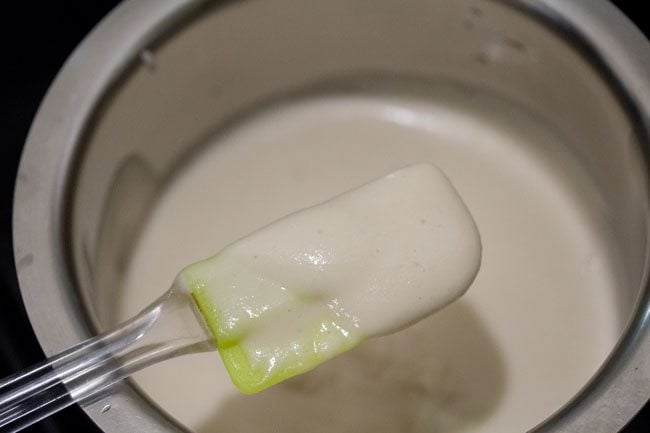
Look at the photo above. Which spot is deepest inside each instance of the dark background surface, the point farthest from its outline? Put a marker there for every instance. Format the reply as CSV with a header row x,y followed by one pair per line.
x,y
37,37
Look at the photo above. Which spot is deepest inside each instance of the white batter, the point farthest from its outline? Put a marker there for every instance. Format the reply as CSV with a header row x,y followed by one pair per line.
x,y
535,325
313,284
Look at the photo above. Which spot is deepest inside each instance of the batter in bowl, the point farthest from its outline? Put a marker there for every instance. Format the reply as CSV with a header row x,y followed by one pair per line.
x,y
537,322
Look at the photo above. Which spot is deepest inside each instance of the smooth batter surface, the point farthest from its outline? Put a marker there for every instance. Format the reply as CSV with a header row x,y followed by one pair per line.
x,y
319,281
534,327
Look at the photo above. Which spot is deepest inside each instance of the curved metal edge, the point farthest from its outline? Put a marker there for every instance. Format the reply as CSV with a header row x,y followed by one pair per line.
x,y
48,154
621,53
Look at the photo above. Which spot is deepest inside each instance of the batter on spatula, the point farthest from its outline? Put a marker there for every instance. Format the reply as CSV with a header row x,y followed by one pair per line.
x,y
317,282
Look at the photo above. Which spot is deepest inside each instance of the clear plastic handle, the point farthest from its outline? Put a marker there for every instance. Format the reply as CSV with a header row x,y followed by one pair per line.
x,y
169,327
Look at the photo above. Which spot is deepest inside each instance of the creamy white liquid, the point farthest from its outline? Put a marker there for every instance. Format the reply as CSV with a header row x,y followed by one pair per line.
x,y
535,325
317,282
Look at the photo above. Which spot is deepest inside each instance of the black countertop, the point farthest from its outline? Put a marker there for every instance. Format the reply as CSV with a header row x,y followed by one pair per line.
x,y
38,36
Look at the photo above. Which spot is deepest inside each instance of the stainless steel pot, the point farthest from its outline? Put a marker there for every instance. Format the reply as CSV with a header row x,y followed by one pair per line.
x,y
157,76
